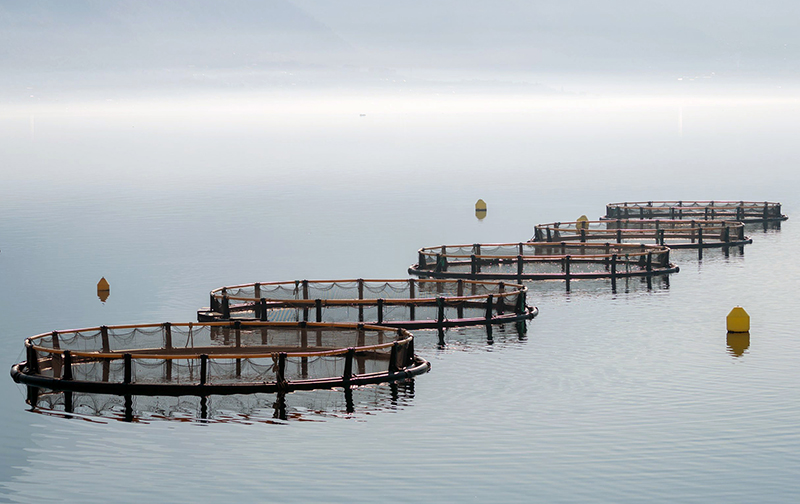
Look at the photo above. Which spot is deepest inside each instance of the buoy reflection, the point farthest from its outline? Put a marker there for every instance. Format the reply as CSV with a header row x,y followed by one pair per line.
x,y
738,343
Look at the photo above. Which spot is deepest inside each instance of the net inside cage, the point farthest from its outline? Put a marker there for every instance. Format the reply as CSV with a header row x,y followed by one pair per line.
x,y
370,301
218,354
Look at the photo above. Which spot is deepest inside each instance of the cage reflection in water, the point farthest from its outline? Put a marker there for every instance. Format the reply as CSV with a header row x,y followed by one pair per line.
x,y
217,358
410,303
356,402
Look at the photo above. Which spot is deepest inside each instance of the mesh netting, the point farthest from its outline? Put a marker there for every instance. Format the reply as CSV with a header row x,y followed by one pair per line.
x,y
408,302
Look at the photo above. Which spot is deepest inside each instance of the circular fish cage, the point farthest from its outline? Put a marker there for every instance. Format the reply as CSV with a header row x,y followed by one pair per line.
x,y
408,303
742,211
543,261
676,234
217,358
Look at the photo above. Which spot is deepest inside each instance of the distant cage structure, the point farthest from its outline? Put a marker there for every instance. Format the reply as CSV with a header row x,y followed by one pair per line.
x,y
742,211
676,234
543,261
409,303
217,358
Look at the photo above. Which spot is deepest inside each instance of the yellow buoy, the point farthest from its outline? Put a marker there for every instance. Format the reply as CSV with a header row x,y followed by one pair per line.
x,y
480,209
103,289
582,223
738,320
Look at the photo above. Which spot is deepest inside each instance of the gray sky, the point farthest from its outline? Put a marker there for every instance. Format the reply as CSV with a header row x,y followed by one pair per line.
x,y
42,41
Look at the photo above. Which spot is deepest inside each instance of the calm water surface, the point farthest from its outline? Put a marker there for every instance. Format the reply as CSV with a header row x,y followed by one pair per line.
x,y
630,396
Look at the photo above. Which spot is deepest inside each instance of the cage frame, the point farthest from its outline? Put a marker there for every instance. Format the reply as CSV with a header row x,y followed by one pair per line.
x,y
436,261
28,372
495,306
748,212
699,233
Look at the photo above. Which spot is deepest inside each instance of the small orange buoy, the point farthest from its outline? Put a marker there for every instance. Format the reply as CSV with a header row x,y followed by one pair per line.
x,y
103,289
738,320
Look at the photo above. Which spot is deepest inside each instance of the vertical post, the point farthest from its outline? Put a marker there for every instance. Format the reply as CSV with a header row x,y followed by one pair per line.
x,y
203,369
583,235
104,337
421,260
613,266
501,299
305,297
127,376
649,266
473,265
409,360
67,365
520,266
412,294
440,311
360,296
489,308
318,309
56,342
348,364
32,360
766,211
521,301
460,293
567,262
226,307
619,235
380,310
212,302
393,358
167,336
700,236
263,311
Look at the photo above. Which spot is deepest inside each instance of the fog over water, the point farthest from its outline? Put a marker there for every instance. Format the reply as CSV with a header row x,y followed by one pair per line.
x,y
176,147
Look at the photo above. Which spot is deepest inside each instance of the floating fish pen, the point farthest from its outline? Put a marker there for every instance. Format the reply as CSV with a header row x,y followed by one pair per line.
x,y
676,234
217,358
543,261
409,303
742,211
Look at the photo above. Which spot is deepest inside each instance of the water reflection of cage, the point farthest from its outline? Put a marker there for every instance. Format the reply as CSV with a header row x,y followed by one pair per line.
x,y
543,261
408,303
217,358
742,211
672,233
235,408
